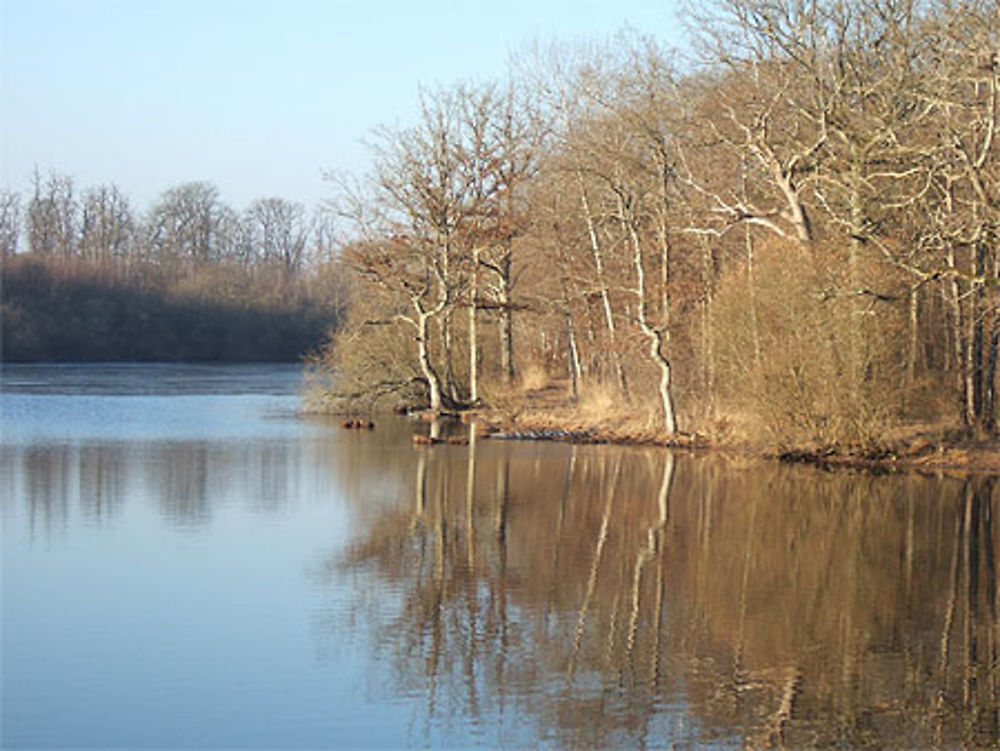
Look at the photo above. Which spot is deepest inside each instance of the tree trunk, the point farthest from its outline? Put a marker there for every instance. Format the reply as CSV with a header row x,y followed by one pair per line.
x,y
573,355
911,358
473,333
423,353
978,344
666,398
506,325
990,377
708,349
573,350
654,336
609,320
958,341
450,381
751,278
969,366
858,355
990,366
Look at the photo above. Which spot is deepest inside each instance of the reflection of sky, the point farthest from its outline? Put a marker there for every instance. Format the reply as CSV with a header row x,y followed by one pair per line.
x,y
138,402
165,572
157,553
135,379
143,633
185,568
35,418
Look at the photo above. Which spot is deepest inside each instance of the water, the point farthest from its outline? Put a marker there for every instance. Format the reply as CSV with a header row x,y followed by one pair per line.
x,y
187,563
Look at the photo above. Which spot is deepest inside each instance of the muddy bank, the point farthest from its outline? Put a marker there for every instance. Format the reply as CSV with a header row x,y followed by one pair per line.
x,y
980,457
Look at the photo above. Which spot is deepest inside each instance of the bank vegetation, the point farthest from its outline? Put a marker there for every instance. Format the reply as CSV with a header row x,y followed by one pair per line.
x,y
789,239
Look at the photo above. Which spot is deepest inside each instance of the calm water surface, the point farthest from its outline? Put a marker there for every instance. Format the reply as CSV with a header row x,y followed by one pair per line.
x,y
187,563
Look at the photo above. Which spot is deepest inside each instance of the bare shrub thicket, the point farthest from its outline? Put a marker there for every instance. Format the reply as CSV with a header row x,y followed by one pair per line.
x,y
796,363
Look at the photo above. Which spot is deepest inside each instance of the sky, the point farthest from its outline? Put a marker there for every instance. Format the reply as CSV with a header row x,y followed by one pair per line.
x,y
259,97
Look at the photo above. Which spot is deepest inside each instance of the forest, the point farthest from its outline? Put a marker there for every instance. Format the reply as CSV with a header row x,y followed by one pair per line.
x,y
786,235
189,280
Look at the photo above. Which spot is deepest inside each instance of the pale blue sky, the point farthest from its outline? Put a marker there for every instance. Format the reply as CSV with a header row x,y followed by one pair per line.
x,y
257,96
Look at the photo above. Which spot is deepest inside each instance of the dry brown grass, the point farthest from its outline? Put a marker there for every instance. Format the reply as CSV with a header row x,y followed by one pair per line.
x,y
600,412
735,428
534,377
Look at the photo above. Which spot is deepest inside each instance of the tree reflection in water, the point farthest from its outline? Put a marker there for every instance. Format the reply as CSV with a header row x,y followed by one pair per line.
x,y
186,480
619,596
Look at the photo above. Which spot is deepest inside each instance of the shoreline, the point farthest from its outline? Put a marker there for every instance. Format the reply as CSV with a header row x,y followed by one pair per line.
x,y
957,458
963,458
920,453
546,414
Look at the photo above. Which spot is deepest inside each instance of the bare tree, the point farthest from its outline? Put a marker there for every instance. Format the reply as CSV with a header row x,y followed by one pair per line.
x,y
639,177
108,227
962,85
190,224
574,94
500,145
405,269
278,232
435,225
10,222
759,108
825,165
52,215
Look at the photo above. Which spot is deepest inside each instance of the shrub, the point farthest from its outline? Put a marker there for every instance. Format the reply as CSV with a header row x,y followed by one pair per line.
x,y
802,358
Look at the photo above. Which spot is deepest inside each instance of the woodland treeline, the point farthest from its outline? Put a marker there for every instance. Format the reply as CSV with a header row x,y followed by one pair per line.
x,y
790,238
191,279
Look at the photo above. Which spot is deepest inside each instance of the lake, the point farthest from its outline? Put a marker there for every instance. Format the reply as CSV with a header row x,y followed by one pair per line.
x,y
189,563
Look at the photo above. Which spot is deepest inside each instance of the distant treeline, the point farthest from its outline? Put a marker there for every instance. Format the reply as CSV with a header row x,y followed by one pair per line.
x,y
57,309
191,279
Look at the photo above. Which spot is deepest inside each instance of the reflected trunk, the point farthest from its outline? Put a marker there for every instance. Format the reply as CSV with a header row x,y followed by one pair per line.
x,y
777,606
